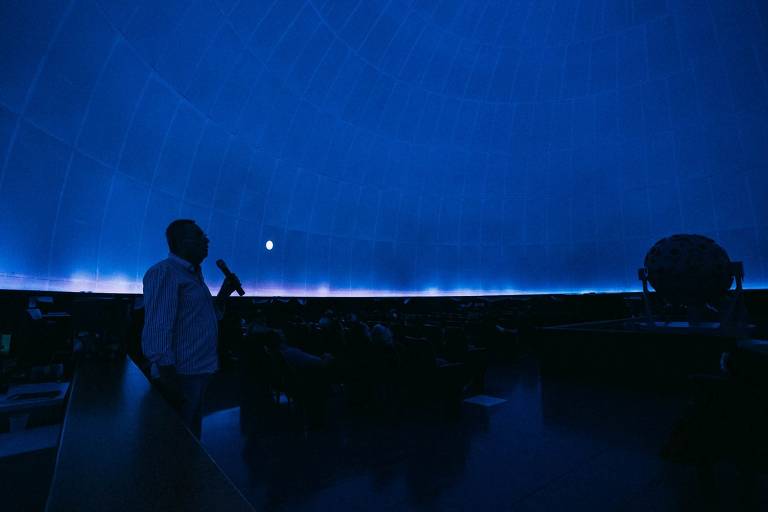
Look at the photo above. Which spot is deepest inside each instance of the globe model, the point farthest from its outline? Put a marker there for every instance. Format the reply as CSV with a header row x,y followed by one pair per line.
x,y
688,269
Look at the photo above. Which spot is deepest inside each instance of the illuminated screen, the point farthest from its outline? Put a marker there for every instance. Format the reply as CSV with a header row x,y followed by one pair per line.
x,y
383,146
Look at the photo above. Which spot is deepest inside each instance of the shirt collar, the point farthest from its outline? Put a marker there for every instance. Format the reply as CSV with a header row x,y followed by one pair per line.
x,y
184,263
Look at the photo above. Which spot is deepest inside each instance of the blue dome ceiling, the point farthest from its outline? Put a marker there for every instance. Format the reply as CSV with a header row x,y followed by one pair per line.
x,y
478,146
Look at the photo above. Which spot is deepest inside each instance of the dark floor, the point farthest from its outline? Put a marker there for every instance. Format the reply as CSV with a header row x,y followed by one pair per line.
x,y
25,479
553,445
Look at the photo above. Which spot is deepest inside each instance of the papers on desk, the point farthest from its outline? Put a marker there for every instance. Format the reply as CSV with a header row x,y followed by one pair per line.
x,y
30,396
18,404
29,440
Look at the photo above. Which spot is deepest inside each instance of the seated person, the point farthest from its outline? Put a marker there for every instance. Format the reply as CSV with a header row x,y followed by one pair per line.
x,y
395,324
357,364
381,335
307,378
358,350
329,336
295,357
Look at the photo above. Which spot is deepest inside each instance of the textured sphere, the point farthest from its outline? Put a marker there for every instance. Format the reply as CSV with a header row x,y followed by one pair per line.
x,y
688,269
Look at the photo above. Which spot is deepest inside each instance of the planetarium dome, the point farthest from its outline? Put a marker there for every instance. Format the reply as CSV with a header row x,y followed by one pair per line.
x,y
382,146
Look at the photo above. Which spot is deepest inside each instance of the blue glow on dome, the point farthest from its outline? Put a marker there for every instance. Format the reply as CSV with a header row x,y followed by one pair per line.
x,y
395,147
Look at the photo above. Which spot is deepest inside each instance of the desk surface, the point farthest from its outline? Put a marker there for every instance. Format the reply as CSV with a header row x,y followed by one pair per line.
x,y
123,448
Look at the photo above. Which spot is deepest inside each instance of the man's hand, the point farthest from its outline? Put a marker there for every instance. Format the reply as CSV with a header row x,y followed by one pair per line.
x,y
167,382
229,286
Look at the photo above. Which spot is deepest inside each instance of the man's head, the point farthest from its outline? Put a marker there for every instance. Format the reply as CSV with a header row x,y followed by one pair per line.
x,y
187,240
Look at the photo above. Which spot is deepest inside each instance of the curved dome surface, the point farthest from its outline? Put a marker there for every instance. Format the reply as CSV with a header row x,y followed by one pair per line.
x,y
384,146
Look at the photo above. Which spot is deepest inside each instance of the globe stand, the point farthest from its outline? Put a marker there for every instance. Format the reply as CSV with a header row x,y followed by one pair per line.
x,y
731,317
734,317
642,274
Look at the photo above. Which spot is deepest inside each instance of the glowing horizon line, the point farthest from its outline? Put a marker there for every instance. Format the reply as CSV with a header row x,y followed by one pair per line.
x,y
124,285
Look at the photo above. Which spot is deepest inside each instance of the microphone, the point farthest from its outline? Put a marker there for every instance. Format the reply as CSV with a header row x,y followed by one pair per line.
x,y
229,275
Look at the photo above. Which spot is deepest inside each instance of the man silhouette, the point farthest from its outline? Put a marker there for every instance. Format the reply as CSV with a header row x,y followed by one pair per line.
x,y
180,331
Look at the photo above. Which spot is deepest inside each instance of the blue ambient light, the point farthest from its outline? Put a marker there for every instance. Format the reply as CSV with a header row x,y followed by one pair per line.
x,y
418,148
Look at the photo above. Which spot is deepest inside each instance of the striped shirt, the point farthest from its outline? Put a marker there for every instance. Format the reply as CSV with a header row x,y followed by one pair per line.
x,y
180,318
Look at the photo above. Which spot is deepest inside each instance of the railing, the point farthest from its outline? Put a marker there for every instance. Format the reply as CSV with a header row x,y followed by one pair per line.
x,y
123,448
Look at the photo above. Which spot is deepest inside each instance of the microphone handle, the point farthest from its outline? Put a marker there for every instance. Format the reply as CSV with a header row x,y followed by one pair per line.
x,y
228,274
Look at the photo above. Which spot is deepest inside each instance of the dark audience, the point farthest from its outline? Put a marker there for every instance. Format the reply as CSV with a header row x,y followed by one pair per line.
x,y
365,358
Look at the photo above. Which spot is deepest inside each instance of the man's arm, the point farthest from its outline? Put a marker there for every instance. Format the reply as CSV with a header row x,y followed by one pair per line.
x,y
228,287
160,306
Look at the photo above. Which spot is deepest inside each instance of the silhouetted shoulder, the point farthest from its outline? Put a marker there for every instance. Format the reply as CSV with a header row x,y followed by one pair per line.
x,y
158,269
